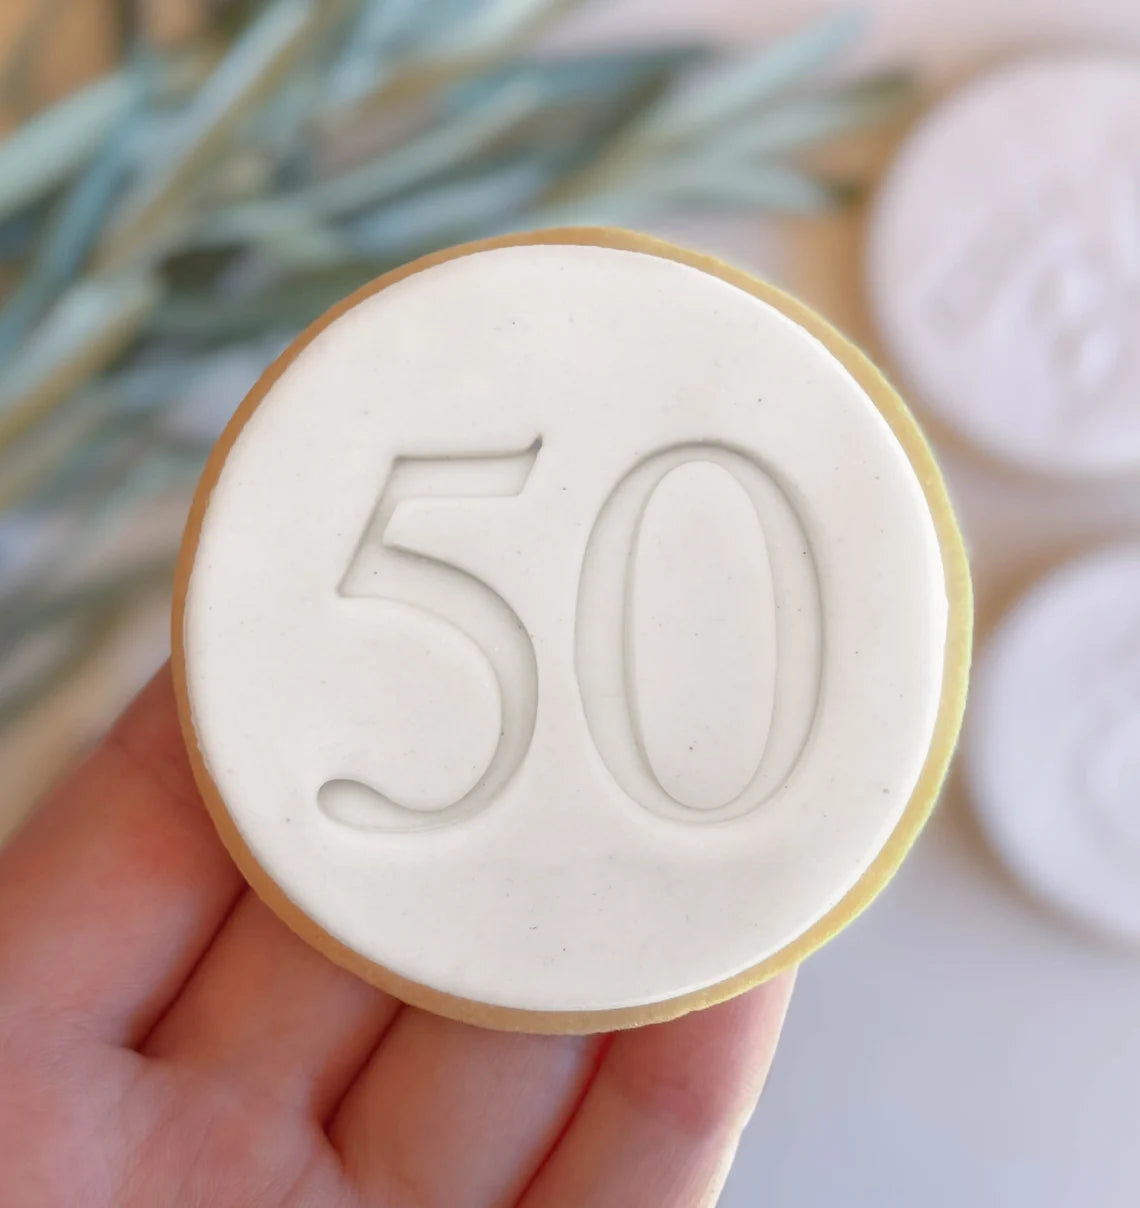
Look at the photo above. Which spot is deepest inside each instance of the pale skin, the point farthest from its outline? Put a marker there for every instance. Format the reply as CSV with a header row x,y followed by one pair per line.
x,y
165,1040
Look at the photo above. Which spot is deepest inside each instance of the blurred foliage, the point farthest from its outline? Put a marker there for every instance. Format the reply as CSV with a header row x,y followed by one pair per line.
x,y
165,229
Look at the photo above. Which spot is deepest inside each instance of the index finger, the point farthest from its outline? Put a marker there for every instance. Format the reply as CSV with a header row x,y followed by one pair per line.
x,y
116,884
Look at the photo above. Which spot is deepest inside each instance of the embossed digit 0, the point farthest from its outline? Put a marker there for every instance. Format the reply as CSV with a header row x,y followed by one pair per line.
x,y
605,626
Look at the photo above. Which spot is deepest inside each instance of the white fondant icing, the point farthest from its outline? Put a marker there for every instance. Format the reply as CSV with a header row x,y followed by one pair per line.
x,y
500,546
1053,741
1004,263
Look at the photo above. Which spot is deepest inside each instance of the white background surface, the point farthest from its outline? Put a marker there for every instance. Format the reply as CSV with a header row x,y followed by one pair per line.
x,y
958,1045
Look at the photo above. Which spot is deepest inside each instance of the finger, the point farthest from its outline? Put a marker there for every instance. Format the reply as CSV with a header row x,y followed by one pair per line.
x,y
661,1120
116,884
265,1010
446,1113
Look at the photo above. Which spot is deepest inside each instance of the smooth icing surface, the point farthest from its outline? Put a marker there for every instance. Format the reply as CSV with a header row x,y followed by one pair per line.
x,y
566,629
1053,751
1004,263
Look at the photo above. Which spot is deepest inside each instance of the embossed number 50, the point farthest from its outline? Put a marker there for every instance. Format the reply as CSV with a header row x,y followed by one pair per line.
x,y
422,581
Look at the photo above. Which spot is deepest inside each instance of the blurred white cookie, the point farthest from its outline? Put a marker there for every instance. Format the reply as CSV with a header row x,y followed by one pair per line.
x,y
1053,740
1004,264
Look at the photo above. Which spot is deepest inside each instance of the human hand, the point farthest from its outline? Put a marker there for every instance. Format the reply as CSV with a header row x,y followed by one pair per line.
x,y
165,1040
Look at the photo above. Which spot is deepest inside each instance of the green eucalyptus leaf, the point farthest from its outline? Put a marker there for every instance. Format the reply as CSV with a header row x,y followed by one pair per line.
x,y
773,187
392,35
777,188
253,223
253,65
453,211
123,407
132,392
813,119
620,207
440,148
737,86
89,325
492,24
481,117
18,235
91,468
288,307
382,29
692,112
305,246
119,466
46,150
284,123
448,47
278,126
585,100
567,78
69,237
29,462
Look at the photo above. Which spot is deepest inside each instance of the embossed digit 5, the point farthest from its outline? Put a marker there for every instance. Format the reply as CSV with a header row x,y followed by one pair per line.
x,y
384,569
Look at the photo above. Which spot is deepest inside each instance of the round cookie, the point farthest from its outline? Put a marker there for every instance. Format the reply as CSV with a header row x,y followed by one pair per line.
x,y
1053,743
1004,264
570,631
